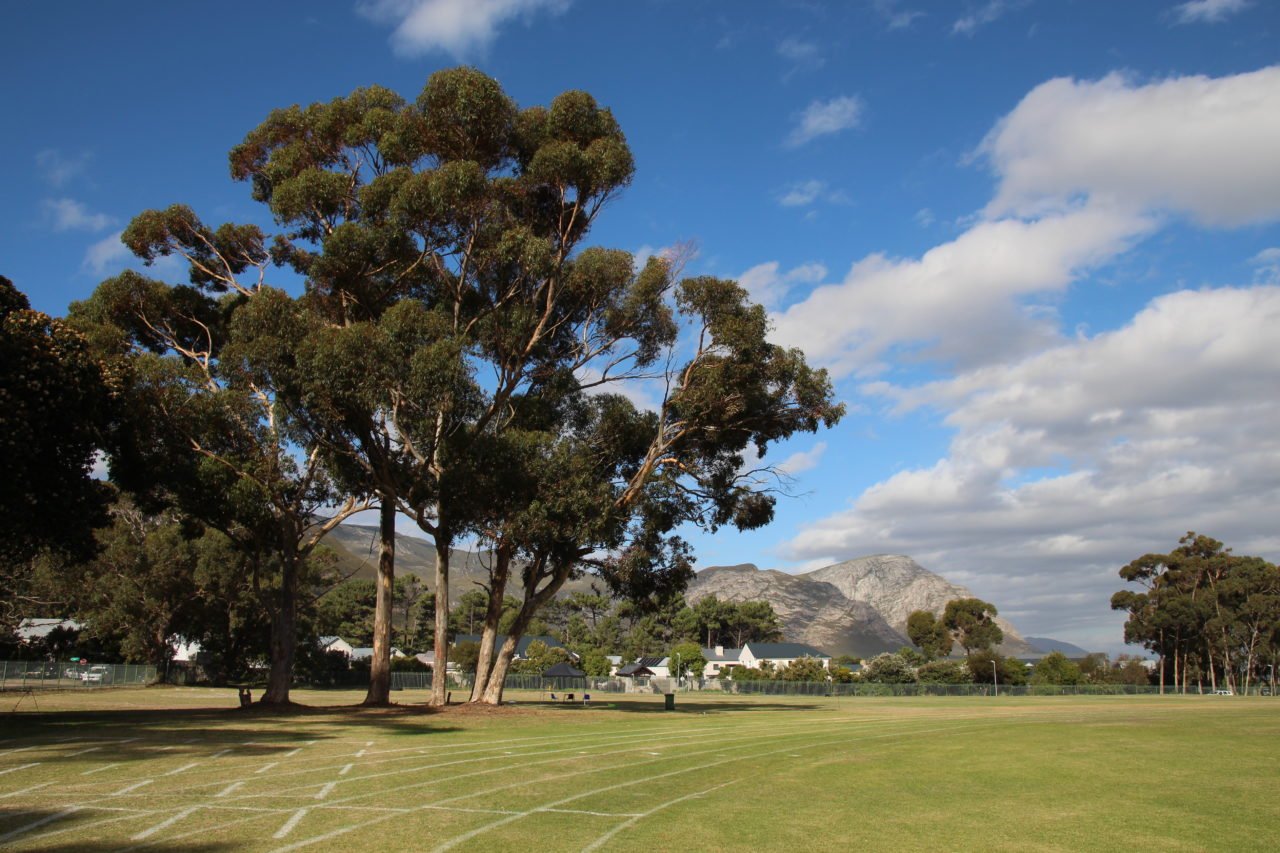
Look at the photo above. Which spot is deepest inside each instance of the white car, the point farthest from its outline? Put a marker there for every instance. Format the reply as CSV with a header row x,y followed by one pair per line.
x,y
1223,692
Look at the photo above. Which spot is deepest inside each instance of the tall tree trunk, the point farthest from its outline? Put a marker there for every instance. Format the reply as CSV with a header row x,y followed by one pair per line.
x,y
380,665
440,672
492,616
533,602
284,636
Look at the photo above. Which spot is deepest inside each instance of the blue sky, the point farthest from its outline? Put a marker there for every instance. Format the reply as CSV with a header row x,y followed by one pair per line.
x,y
1037,243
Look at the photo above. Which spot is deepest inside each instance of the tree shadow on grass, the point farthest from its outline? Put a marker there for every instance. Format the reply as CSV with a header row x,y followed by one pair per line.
x,y
138,735
644,704
31,825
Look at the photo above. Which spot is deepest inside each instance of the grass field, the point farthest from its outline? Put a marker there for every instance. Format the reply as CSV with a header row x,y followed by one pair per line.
x,y
181,769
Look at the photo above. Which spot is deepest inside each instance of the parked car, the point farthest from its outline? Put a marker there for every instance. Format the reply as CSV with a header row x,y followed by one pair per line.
x,y
1222,691
99,674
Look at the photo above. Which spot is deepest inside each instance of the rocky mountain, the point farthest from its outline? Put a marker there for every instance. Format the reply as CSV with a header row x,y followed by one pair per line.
x,y
811,612
856,607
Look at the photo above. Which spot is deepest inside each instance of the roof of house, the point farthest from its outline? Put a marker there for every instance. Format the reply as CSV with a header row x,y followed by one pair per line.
x,y
326,642
564,669
522,647
785,650
634,669
730,655
652,661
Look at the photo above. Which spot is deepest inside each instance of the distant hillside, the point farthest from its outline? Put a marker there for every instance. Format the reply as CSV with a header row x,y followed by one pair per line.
x,y
356,547
1046,645
858,607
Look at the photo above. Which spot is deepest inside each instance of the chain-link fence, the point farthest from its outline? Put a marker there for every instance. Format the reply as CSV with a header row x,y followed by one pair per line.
x,y
41,675
804,688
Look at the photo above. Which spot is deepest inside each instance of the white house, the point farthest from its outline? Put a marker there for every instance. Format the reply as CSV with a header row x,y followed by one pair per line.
x,y
720,659
335,644
363,652
780,654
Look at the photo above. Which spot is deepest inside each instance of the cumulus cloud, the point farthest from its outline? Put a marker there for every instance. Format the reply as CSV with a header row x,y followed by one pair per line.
x,y
822,118
1073,454
457,27
1200,146
962,301
1208,11
1070,463
769,286
106,254
70,215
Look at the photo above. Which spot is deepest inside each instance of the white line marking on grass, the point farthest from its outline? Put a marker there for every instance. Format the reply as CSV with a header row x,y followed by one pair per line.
x,y
360,754
220,753
100,769
753,741
266,767
135,786
604,839
291,754
83,751
324,792
22,830
290,824
25,790
468,811
227,790
594,814
182,768
345,770
19,767
164,824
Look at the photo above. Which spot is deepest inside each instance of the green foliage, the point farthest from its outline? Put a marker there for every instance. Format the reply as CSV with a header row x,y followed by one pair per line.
x,y
686,659
1209,614
944,672
1010,671
56,403
1054,668
538,658
466,655
970,622
889,669
803,669
929,633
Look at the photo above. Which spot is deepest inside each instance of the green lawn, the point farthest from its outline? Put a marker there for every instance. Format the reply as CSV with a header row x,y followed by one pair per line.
x,y
181,769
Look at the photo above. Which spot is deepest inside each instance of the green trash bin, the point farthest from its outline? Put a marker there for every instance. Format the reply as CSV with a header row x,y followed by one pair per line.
x,y
671,701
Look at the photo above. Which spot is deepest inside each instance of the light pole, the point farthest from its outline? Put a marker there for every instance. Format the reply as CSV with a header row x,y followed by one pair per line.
x,y
995,680
676,656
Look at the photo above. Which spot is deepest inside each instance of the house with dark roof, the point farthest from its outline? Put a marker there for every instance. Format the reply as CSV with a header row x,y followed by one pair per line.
x,y
780,654
522,647
719,659
634,670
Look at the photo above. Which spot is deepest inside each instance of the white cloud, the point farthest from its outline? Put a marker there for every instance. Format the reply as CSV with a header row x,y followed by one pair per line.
x,y
1201,146
1208,11
106,254
457,27
59,168
1266,266
984,14
769,286
805,193
803,460
924,217
70,215
805,54
895,17
822,118
962,300
1070,463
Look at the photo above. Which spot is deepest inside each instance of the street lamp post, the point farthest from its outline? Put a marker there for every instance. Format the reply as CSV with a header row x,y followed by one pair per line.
x,y
995,680
676,656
